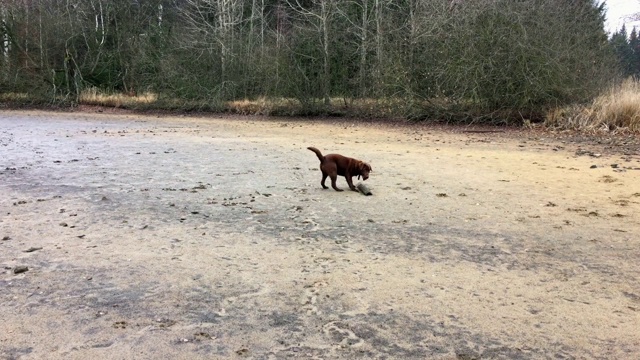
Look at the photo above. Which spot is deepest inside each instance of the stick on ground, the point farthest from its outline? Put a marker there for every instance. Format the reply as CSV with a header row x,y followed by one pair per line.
x,y
364,189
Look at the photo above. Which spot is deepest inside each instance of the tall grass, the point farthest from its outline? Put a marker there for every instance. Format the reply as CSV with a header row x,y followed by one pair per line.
x,y
616,109
339,107
93,96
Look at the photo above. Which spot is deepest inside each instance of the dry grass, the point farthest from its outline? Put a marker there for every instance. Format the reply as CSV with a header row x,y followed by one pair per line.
x,y
14,97
617,109
264,106
365,108
93,96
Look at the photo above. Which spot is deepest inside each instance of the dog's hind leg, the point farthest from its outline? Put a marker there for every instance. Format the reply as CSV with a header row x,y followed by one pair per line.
x,y
324,177
333,182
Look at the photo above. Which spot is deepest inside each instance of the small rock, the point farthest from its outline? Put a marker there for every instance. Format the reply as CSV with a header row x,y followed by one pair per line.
x,y
203,336
593,166
5,238
64,224
20,269
32,249
615,166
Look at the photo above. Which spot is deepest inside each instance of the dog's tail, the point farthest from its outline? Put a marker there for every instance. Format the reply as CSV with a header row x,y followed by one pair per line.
x,y
317,153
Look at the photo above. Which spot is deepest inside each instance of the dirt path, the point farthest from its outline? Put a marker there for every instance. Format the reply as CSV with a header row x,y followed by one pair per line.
x,y
189,238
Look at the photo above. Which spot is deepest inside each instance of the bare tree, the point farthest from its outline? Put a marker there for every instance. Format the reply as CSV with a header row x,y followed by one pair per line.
x,y
213,22
319,15
4,42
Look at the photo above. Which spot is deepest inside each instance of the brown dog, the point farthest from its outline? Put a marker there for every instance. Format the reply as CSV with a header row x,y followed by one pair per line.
x,y
333,165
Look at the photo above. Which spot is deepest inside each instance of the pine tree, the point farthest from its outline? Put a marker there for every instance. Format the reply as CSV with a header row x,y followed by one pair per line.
x,y
634,44
620,42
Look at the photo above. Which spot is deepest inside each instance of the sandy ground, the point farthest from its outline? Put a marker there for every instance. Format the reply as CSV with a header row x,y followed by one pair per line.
x,y
185,238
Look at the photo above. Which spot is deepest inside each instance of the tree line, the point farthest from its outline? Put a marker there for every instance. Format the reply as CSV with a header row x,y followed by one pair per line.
x,y
627,48
434,58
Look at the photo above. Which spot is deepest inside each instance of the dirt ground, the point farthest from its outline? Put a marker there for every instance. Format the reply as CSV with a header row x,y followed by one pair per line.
x,y
184,238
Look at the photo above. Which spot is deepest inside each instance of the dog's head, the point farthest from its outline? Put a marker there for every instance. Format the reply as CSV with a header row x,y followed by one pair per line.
x,y
365,169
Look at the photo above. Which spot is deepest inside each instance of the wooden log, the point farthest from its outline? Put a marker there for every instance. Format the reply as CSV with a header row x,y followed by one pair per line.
x,y
364,189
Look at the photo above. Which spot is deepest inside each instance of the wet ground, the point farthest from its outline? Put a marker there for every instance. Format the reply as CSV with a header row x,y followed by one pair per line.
x,y
186,238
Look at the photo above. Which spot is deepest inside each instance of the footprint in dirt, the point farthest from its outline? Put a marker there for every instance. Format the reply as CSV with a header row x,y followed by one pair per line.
x,y
308,223
621,202
310,297
339,333
607,179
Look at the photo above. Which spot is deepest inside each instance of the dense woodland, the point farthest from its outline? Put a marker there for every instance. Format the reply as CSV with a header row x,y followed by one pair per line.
x,y
627,48
436,58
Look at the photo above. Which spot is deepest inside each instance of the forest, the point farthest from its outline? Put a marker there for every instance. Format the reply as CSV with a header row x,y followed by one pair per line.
x,y
495,61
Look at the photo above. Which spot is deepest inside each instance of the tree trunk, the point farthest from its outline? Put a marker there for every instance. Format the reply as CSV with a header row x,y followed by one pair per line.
x,y
379,50
326,81
4,45
363,49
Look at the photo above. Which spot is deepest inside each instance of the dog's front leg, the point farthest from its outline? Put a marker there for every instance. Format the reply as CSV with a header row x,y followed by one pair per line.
x,y
350,182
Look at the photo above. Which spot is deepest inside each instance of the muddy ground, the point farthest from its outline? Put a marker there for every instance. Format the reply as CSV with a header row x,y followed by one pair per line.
x,y
185,238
